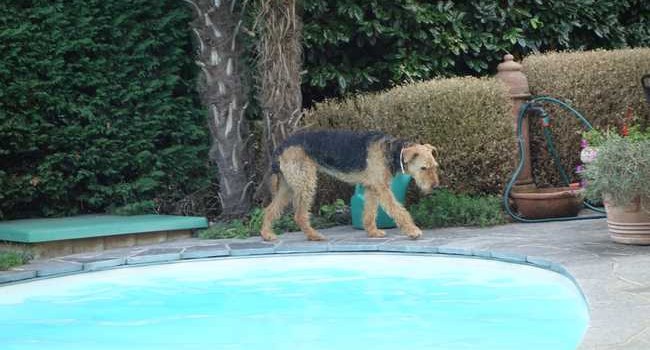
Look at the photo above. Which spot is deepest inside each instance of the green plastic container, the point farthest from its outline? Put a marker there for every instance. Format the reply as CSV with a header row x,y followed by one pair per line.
x,y
398,185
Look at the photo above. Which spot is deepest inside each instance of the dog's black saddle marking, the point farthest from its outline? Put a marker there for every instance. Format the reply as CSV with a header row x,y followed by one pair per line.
x,y
344,151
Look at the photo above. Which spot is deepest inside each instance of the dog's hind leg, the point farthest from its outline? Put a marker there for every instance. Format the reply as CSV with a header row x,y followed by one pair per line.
x,y
300,173
281,197
370,214
397,212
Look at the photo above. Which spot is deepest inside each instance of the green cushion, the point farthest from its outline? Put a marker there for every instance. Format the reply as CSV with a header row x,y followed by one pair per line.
x,y
45,230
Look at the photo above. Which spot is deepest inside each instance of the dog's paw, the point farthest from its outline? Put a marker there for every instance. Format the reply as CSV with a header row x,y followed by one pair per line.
x,y
315,236
268,236
414,233
376,234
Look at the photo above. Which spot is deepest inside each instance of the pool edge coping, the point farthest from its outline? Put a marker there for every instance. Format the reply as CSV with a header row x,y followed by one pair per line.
x,y
26,275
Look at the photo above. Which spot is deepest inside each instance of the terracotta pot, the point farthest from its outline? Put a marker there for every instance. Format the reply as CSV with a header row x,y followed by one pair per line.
x,y
628,224
538,203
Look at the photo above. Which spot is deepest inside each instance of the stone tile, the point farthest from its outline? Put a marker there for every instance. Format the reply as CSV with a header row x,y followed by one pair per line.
x,y
508,256
357,245
250,248
205,251
404,247
104,264
350,233
454,250
123,252
559,268
14,275
155,255
302,247
486,254
295,237
53,267
612,327
97,263
185,243
541,262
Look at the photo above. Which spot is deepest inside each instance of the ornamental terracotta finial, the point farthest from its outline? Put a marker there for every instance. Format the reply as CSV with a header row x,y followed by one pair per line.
x,y
510,72
512,75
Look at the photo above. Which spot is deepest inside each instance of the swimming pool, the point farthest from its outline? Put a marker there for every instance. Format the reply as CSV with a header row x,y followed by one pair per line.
x,y
318,301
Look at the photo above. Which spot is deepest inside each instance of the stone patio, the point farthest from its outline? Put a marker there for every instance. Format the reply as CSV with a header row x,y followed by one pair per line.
x,y
614,278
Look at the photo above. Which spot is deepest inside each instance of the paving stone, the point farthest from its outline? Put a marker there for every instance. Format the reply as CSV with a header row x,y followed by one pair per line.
x,y
16,275
98,262
205,251
251,248
508,256
541,262
406,248
454,250
53,267
613,327
559,268
486,254
302,247
154,255
104,264
357,245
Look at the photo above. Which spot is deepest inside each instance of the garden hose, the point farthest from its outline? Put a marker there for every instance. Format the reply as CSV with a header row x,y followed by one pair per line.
x,y
533,105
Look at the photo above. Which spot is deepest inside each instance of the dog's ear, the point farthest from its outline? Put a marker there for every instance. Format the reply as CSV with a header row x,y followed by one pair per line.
x,y
409,153
432,149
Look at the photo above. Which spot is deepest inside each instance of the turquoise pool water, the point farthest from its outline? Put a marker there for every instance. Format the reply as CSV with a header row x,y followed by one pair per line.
x,y
328,301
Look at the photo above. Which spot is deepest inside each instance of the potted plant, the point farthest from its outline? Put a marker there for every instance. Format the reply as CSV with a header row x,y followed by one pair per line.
x,y
617,170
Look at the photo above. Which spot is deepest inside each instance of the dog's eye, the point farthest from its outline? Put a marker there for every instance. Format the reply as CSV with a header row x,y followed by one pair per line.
x,y
423,168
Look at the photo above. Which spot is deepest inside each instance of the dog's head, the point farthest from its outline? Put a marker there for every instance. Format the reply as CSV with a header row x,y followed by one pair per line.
x,y
420,163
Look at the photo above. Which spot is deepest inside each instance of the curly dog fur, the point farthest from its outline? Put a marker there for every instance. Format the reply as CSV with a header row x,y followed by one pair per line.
x,y
368,158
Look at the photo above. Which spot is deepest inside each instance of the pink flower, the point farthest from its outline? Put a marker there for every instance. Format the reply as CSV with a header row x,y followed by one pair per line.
x,y
584,143
580,169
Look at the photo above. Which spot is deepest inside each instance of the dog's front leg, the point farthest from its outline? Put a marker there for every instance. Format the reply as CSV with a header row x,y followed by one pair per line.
x,y
397,212
370,214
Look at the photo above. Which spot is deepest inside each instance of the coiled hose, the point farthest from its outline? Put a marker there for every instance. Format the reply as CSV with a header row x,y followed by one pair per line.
x,y
533,104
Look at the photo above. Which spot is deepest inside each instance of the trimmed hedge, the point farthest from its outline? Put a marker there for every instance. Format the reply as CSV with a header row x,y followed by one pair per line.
x,y
370,45
98,107
599,84
468,119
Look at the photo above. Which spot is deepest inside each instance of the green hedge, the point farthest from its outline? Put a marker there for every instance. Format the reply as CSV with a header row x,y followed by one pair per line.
x,y
469,119
97,107
601,85
371,45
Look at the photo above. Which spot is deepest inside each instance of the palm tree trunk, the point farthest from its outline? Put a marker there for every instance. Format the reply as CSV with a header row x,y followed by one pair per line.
x,y
216,25
279,63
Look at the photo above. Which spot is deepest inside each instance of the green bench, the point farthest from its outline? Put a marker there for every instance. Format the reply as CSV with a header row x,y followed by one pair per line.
x,y
71,235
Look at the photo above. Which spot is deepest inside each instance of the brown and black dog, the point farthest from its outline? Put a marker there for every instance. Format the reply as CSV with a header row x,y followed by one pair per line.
x,y
367,158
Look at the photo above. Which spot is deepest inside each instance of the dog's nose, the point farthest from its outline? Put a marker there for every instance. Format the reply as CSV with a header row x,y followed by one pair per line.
x,y
432,188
